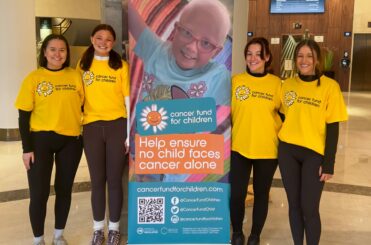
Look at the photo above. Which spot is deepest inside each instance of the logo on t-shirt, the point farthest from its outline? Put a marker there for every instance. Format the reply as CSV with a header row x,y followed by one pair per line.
x,y
44,88
242,93
88,77
290,98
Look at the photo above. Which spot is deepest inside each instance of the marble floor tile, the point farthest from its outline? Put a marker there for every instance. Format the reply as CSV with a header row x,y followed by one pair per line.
x,y
15,226
346,220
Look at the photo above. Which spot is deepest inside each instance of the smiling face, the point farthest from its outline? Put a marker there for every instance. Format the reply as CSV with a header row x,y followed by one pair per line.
x,y
154,118
55,54
103,42
196,28
306,61
253,59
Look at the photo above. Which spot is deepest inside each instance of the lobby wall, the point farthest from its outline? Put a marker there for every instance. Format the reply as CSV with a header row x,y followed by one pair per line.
x,y
337,19
81,9
362,16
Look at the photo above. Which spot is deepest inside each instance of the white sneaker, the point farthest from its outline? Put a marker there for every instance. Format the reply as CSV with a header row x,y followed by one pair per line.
x,y
40,243
59,241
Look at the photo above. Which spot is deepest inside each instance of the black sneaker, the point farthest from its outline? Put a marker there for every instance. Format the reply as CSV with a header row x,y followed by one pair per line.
x,y
98,238
253,240
238,238
113,237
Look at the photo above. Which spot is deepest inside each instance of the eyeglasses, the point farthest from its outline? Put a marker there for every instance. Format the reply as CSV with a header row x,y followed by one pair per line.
x,y
203,45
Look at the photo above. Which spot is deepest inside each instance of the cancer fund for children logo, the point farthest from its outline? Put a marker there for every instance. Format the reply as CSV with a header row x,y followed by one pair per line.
x,y
44,88
242,93
290,98
153,118
176,116
88,77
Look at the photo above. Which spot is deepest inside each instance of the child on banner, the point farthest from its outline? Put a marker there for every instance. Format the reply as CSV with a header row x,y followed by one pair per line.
x,y
183,67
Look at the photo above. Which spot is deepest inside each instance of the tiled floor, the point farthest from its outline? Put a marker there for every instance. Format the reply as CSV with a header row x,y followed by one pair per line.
x,y
346,215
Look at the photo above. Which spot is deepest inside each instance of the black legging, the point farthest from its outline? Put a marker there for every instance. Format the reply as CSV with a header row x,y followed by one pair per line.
x,y
299,168
263,171
104,145
67,151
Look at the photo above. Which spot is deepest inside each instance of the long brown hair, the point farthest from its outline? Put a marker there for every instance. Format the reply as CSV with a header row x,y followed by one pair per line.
x,y
114,61
317,57
265,51
43,62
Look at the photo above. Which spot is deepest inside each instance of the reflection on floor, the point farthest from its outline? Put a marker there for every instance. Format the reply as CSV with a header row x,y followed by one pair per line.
x,y
345,206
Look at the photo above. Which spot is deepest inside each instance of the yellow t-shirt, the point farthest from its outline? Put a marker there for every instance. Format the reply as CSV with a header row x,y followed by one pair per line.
x,y
105,91
255,121
54,99
308,108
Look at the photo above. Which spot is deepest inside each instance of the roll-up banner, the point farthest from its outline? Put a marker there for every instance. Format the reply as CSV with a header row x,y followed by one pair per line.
x,y
180,59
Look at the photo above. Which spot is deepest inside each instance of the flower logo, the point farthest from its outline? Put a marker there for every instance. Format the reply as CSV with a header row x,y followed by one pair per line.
x,y
44,88
88,77
242,92
197,90
290,98
151,117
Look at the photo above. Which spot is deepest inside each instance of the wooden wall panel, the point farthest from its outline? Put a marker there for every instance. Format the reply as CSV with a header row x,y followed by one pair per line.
x,y
334,35
262,10
347,13
276,53
320,23
337,19
252,16
264,32
348,7
287,24
275,25
334,12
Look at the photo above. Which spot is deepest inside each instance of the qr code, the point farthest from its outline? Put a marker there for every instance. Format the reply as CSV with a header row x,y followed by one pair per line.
x,y
151,210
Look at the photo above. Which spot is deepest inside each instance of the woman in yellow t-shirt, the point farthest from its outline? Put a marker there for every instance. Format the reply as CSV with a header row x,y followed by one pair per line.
x,y
49,104
106,84
255,124
313,107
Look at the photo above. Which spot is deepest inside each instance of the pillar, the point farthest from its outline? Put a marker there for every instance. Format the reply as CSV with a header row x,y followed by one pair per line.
x,y
17,59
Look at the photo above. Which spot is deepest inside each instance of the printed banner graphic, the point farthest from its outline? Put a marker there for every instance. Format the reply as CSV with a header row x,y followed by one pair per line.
x,y
179,154
180,142
176,116
182,212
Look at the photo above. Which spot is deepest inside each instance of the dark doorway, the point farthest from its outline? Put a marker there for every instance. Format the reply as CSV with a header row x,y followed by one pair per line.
x,y
361,67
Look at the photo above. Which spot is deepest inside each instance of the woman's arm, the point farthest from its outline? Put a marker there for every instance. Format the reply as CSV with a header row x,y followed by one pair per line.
x,y
24,130
332,136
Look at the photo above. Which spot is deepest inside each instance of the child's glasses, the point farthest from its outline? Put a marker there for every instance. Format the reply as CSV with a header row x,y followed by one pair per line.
x,y
203,45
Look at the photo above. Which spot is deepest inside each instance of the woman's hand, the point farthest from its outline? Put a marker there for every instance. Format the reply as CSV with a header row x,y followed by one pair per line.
x,y
28,158
324,177
126,146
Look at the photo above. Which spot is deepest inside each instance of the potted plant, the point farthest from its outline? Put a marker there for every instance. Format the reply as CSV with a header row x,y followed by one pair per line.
x,y
328,62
